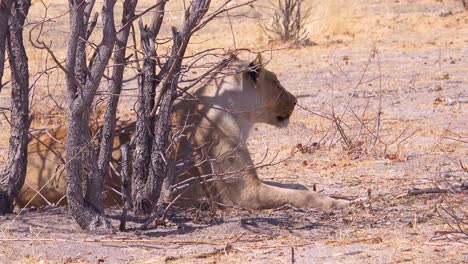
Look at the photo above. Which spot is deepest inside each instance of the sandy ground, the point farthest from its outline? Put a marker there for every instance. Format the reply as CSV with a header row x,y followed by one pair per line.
x,y
412,59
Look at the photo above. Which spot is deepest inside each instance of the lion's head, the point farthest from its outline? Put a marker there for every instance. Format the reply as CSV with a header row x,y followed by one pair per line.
x,y
249,93
276,104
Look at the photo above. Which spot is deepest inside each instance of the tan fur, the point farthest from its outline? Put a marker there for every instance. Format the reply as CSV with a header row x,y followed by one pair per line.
x,y
45,176
212,127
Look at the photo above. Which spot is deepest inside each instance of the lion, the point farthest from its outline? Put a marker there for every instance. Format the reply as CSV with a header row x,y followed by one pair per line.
x,y
46,182
213,124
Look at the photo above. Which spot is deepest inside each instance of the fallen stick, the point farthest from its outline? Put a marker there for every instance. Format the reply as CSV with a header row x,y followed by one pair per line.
x,y
417,191
293,260
371,240
441,232
344,197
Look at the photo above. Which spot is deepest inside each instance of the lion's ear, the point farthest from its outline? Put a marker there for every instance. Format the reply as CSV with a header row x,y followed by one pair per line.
x,y
255,67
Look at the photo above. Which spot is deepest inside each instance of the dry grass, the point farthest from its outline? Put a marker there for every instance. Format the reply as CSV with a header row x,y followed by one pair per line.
x,y
417,43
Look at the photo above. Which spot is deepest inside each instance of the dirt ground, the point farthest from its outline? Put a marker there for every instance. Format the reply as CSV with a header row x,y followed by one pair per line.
x,y
407,58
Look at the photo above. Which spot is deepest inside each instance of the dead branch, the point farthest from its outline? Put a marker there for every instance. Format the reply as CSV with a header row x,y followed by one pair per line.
x,y
463,166
40,44
348,142
314,113
372,240
379,110
417,191
159,6
91,26
454,215
359,83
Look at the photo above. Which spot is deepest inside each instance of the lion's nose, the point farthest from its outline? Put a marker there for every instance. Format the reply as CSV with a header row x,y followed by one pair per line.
x,y
281,118
294,99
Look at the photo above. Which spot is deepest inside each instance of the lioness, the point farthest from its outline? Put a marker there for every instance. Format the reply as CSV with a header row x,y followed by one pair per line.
x,y
215,122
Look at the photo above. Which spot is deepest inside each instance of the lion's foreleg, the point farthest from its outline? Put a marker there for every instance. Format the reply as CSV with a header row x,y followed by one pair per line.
x,y
274,197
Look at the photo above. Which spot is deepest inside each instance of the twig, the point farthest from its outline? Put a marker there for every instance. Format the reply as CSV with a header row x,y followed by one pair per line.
x,y
463,166
361,81
343,197
40,44
372,240
293,260
417,191
314,113
225,249
379,111
345,138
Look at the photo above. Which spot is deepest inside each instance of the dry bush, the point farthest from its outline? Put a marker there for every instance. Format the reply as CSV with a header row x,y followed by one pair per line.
x,y
454,215
452,208
356,128
288,21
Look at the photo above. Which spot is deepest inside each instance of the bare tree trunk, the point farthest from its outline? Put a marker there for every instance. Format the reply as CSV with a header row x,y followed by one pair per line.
x,y
162,127
142,140
142,202
147,196
5,10
12,177
84,184
115,88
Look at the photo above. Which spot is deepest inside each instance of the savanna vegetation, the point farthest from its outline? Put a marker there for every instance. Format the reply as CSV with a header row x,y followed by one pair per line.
x,y
380,119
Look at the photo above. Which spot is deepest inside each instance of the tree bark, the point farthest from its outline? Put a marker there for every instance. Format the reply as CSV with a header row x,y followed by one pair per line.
x,y
162,126
126,174
149,188
84,184
143,203
13,175
115,88
5,10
